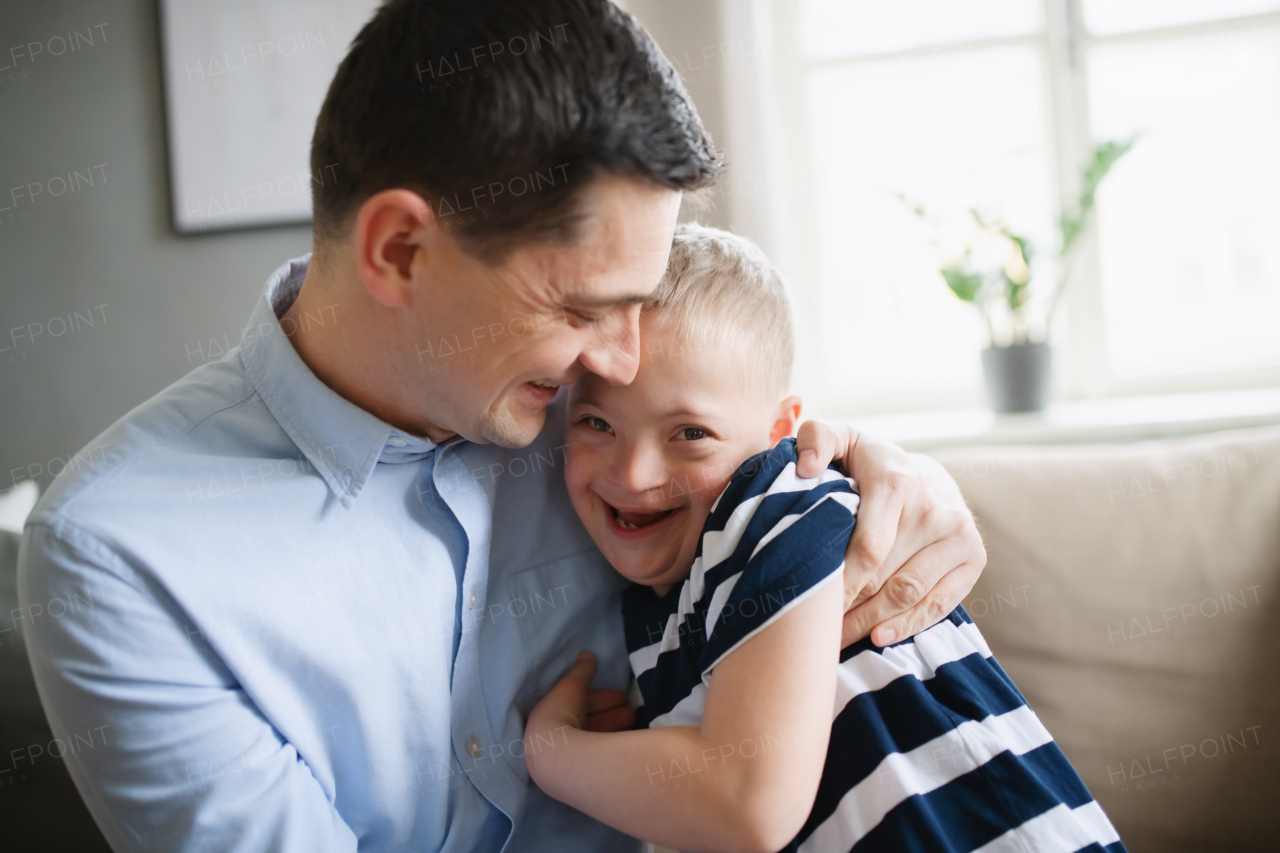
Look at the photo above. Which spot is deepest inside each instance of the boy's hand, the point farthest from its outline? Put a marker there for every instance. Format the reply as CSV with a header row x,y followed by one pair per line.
x,y
608,711
572,703
915,553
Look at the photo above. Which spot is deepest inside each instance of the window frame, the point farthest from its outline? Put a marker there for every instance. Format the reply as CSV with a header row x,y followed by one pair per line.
x,y
1081,360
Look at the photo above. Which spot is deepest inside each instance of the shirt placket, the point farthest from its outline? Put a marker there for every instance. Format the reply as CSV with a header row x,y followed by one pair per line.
x,y
476,746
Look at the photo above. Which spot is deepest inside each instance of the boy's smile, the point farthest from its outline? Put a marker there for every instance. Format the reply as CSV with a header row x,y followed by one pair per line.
x,y
646,462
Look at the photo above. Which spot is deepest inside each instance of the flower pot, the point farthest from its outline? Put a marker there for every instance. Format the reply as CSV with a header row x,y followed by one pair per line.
x,y
1017,377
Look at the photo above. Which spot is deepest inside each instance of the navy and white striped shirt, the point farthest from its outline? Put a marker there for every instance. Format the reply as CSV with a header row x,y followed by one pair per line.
x,y
932,746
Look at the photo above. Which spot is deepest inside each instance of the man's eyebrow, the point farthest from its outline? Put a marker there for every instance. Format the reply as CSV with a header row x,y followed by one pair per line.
x,y
606,301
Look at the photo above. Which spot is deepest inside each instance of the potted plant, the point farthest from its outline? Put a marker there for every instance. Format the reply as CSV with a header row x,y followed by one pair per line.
x,y
1016,290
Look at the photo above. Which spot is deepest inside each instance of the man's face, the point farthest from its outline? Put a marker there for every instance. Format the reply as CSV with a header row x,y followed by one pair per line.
x,y
645,462
498,341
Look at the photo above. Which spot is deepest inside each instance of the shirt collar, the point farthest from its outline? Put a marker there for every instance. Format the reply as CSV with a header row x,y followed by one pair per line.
x,y
343,441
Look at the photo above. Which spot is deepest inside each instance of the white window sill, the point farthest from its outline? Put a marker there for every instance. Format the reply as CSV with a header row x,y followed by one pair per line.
x,y
1079,421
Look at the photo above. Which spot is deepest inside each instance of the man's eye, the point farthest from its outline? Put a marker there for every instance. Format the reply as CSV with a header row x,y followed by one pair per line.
x,y
579,318
598,424
693,433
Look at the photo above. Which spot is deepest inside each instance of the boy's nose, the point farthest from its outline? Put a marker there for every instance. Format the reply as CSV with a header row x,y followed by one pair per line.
x,y
637,469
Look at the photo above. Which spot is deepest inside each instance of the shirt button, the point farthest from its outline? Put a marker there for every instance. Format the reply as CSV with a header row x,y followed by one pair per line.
x,y
474,599
346,477
474,747
396,441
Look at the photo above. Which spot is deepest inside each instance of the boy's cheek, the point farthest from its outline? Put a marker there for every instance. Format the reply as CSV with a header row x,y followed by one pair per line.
x,y
577,471
710,481
577,477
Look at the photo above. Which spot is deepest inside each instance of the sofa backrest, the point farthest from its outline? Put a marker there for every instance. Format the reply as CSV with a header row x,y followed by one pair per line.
x,y
1133,594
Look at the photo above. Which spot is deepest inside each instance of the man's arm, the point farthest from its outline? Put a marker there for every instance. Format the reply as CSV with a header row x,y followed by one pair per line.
x,y
745,780
916,552
167,750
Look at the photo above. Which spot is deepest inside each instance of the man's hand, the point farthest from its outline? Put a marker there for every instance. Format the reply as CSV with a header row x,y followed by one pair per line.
x,y
915,553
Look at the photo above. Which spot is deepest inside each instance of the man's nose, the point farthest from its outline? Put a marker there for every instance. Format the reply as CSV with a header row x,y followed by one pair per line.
x,y
614,355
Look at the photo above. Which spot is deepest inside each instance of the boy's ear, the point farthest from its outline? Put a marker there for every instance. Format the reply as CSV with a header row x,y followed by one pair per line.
x,y
788,417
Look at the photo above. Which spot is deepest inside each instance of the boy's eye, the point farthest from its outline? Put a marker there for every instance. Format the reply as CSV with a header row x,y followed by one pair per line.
x,y
693,434
598,424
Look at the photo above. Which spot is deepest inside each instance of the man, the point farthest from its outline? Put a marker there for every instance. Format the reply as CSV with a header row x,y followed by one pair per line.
x,y
322,581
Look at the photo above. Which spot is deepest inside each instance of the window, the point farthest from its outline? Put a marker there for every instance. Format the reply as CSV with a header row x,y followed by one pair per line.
x,y
1189,237
995,104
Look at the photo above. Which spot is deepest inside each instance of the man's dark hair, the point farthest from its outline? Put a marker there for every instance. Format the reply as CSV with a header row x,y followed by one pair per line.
x,y
499,113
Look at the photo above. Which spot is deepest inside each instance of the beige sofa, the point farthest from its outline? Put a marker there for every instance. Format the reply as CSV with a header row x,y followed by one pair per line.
x,y
1133,593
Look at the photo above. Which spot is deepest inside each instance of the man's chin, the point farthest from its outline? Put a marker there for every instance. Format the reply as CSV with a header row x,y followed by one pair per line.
x,y
513,431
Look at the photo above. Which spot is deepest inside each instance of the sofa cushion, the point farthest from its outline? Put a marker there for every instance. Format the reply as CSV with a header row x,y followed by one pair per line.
x,y
16,505
1133,593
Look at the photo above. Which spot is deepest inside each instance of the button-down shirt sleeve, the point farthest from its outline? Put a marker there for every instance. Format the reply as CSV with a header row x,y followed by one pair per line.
x,y
162,741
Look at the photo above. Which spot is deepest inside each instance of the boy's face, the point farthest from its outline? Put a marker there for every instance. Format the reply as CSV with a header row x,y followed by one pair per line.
x,y
646,461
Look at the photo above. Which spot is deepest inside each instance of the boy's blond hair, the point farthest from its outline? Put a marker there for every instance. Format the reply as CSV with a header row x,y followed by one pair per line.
x,y
720,289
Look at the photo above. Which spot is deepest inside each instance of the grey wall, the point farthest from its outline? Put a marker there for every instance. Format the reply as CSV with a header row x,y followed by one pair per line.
x,y
688,32
105,251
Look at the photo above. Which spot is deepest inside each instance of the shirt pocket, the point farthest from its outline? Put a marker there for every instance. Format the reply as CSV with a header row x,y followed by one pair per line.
x,y
563,607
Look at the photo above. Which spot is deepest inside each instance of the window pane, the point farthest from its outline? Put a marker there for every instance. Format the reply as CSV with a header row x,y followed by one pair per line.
x,y
1116,16
950,132
839,27
1189,223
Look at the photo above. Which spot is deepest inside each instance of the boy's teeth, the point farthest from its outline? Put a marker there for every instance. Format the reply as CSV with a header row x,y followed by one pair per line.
x,y
638,519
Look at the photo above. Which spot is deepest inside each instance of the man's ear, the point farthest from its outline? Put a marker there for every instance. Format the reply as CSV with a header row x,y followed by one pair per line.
x,y
389,237
788,417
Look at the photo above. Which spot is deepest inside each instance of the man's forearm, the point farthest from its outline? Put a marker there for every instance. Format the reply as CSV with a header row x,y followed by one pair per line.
x,y
916,552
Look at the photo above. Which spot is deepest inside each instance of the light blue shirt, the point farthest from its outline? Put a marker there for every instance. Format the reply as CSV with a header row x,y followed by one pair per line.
x,y
260,618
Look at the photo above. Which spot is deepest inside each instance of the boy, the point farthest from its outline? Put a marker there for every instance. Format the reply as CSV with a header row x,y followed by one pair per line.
x,y
733,623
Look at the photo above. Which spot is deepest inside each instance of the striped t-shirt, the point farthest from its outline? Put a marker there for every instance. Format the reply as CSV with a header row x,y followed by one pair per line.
x,y
932,746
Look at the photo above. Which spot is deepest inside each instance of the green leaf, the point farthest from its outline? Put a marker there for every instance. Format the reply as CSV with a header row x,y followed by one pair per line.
x,y
1015,292
964,285
1023,244
1105,155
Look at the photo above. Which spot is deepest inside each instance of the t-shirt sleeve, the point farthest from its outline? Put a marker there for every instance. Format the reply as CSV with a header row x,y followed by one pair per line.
x,y
771,540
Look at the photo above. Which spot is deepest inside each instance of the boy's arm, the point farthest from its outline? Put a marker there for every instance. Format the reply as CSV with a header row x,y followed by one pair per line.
x,y
745,780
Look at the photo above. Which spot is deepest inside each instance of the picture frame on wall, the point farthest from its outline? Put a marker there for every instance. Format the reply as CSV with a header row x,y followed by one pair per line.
x,y
243,84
